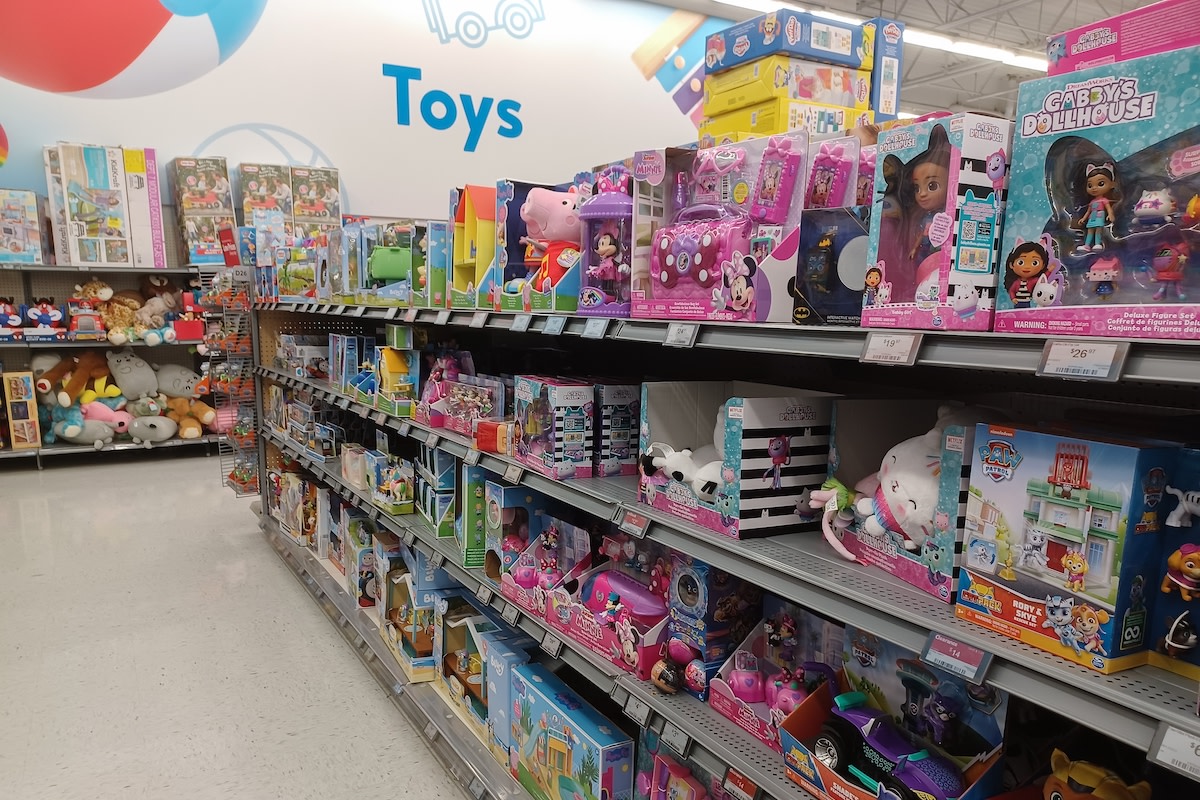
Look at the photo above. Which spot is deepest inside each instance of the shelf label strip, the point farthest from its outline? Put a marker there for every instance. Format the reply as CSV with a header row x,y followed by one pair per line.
x,y
891,347
1083,360
963,660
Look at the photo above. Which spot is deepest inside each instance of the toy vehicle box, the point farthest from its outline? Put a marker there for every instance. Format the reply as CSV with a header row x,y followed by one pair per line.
x,y
1110,260
561,553
1155,28
264,186
780,115
933,251
393,257
578,753
316,195
615,451
775,441
1172,625
24,235
554,425
1077,532
786,77
145,208
96,204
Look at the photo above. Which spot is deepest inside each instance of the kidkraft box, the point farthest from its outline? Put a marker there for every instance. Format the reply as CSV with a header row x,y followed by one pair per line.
x,y
474,240
561,552
536,263
1173,629
702,263
1106,208
788,78
734,457
779,115
940,188
1156,28
618,413
96,205
23,234
908,708
577,753
1078,535
429,286
554,426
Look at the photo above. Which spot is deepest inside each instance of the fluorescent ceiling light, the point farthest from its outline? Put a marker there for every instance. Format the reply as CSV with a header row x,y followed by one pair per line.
x,y
756,5
837,17
906,115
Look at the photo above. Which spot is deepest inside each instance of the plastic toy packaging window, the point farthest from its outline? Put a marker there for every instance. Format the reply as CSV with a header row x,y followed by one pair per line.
x,y
727,214
608,240
1120,230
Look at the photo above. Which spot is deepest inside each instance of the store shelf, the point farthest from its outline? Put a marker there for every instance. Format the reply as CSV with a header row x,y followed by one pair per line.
x,y
89,268
75,449
463,756
8,452
60,345
1154,361
1129,706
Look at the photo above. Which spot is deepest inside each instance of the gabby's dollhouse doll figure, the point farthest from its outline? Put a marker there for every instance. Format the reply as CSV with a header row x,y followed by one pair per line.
x,y
1026,263
1100,181
928,178
1168,263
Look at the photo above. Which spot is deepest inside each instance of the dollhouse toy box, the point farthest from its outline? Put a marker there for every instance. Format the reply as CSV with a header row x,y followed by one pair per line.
x,y
1168,25
1062,542
1125,117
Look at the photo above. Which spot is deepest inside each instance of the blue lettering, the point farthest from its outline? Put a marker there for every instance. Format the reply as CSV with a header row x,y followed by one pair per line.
x,y
439,122
507,110
440,110
476,118
402,75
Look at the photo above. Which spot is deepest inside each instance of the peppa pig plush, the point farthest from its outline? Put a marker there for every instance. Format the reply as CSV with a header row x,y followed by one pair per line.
x,y
552,220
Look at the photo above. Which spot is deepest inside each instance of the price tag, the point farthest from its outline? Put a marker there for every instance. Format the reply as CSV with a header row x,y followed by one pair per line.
x,y
520,322
409,537
478,319
339,310
1176,750
511,614
392,312
637,710
431,731
405,428
362,411
634,524
477,789
552,645
411,315
674,737
739,786
359,311
891,347
513,473
343,403
437,559
1082,360
431,439
965,661
471,457
595,328
374,514
379,417
554,326
442,318
681,334
483,594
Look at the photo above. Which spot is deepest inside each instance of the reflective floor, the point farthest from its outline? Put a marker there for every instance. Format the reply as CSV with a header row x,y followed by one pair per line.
x,y
152,645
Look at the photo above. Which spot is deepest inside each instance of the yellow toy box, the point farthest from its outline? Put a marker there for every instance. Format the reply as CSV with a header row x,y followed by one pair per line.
x,y
787,78
781,115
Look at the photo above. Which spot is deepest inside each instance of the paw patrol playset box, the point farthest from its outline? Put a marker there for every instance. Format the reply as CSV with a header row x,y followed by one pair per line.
x,y
1076,528
1173,629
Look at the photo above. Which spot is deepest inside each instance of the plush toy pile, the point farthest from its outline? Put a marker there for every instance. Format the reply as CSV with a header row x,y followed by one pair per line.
x,y
96,398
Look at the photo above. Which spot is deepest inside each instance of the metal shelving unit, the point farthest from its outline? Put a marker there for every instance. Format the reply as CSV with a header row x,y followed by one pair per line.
x,y
105,343
209,441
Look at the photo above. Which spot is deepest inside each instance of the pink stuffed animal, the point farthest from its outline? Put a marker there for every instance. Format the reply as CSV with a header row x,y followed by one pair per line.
x,y
119,421
552,219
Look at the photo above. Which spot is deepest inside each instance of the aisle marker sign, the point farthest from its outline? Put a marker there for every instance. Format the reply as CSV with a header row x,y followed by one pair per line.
x,y
739,786
1082,360
520,323
963,660
891,347
1176,750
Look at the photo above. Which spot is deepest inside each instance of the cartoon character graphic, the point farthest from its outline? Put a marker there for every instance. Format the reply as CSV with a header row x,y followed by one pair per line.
x,y
1183,572
1060,619
1045,293
940,717
780,451
1056,49
1104,273
1088,622
994,168
1027,262
936,556
715,52
769,28
1154,207
1033,549
873,279
1075,567
1100,184
1076,780
738,277
1168,263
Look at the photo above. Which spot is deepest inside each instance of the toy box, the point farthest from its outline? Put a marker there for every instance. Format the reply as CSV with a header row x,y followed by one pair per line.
x,y
24,237
396,374
393,257
541,273
932,256
502,658
778,115
618,413
890,705
734,202
662,774
471,398
437,466
204,203
390,481
303,355
789,78
96,204
436,508
561,552
429,287
412,625
1077,532
474,242
470,527
512,519
1173,636
765,678
201,237
606,271
23,424
774,442
264,186
554,426
617,609
388,558
145,208
1105,213
355,530
578,753
344,267
448,366
361,580
56,206
317,197
1155,28
829,282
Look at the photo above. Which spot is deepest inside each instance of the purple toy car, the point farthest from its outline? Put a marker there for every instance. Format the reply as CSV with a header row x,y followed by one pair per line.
x,y
865,744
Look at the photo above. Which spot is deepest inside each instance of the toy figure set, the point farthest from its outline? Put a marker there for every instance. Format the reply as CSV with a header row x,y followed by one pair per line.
x,y
608,256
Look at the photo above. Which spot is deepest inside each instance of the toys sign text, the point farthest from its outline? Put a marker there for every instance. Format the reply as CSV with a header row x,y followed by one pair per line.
x,y
441,110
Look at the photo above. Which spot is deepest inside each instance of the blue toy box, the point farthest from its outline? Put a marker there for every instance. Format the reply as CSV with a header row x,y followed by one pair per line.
x,y
562,748
828,286
506,288
1173,637
1105,203
429,286
502,656
437,467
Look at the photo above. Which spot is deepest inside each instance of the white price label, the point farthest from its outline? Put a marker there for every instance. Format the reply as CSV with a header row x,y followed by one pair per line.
x,y
392,312
1083,360
1177,750
552,645
343,403
681,334
595,328
891,347
477,789
362,411
483,594
479,319
379,417
411,315
431,440
471,457
359,311
437,559
513,473
554,326
409,537
431,731
674,737
405,428
442,317
520,322
637,710
511,614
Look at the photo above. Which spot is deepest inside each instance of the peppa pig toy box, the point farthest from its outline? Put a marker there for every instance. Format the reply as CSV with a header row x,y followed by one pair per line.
x,y
1156,28
1105,214
536,265
940,190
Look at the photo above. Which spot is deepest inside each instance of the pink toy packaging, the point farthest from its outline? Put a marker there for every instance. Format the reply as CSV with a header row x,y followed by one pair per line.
x,y
608,238
562,552
553,432
536,266
736,458
940,189
513,519
1105,215
618,609
618,412
1156,28
729,245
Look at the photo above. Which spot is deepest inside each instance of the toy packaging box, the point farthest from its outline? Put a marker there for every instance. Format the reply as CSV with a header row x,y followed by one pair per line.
x,y
474,238
21,404
663,773
561,552
96,205
1106,209
617,609
145,208
940,189
470,527
554,426
390,481
204,203
437,466
755,451
535,266
396,374
1173,629
764,678
780,115
1155,28
789,78
1077,531
618,413
514,516
316,193
264,186
606,271
501,659
56,205
429,287
355,532
727,242
436,508
24,235
393,255
912,708
344,264
560,746
412,624
829,281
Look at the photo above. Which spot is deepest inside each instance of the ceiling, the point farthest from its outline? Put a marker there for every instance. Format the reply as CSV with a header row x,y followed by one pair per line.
x,y
936,79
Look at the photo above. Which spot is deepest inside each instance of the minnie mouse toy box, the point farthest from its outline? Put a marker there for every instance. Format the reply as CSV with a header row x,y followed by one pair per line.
x,y
1106,205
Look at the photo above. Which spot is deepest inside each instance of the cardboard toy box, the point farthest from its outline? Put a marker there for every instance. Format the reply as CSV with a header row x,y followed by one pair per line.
x,y
392,260
549,760
1076,525
1173,627
474,239
316,194
436,508
828,286
562,552
615,451
96,204
264,186
786,77
780,115
932,257
429,287
470,528
510,283
501,659
1155,28
554,423
24,235
411,594
145,208
204,203
514,517
1111,260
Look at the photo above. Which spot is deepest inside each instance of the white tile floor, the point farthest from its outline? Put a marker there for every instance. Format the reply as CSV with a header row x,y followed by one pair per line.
x,y
152,645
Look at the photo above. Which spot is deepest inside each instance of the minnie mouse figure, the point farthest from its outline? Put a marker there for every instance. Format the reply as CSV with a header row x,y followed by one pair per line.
x,y
738,277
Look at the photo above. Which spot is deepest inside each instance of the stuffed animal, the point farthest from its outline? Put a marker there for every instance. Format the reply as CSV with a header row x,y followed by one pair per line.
x,y
64,423
95,290
191,415
157,285
1072,779
119,318
90,366
153,406
103,390
150,430
151,318
118,420
134,376
700,468
177,381
94,432
48,369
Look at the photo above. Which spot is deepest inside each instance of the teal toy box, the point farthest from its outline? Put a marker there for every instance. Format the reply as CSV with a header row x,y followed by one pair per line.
x,y
469,526
501,660
429,286
562,748
1173,629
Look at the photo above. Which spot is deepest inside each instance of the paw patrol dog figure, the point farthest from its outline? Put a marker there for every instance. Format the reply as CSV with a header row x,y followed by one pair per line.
x,y
1075,567
1081,780
1183,572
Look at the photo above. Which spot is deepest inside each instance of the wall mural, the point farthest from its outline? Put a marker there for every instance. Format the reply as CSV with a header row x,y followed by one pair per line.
x,y
471,21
